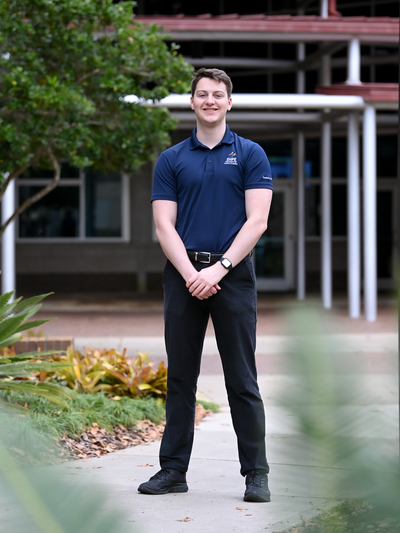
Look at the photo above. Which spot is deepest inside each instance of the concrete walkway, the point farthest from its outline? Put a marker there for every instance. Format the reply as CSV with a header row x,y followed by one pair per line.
x,y
301,485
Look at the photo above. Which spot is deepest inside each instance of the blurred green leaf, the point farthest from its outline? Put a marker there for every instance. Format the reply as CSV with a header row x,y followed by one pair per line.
x,y
41,501
321,403
50,391
23,364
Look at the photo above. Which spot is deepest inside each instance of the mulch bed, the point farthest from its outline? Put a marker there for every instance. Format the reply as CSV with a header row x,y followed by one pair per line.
x,y
97,441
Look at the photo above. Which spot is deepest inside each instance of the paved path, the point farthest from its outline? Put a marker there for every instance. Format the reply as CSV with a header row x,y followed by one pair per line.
x,y
363,357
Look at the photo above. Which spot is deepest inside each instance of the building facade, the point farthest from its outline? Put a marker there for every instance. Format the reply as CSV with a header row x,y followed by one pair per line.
x,y
94,233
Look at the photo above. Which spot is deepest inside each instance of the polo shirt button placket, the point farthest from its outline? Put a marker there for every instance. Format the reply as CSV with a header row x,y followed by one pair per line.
x,y
210,164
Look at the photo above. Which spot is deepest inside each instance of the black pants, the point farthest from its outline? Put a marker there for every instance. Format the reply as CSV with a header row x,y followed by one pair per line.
x,y
233,311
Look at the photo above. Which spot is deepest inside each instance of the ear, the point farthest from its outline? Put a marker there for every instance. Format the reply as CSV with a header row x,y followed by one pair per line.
x,y
191,102
230,104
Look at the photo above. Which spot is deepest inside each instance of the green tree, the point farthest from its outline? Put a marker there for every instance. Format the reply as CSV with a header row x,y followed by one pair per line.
x,y
65,68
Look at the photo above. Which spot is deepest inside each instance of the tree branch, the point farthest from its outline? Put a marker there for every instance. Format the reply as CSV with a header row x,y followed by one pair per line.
x,y
143,73
17,172
38,196
10,177
95,71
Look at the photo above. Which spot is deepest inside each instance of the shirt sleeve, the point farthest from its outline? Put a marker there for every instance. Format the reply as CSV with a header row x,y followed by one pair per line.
x,y
164,182
257,169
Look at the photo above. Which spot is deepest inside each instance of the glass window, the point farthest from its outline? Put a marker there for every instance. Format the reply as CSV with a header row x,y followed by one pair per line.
x,y
103,204
312,210
386,156
384,221
277,148
279,154
338,210
55,215
87,205
270,249
281,166
280,157
339,157
314,156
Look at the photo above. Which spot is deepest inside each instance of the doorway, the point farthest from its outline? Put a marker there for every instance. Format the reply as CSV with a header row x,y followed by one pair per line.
x,y
274,252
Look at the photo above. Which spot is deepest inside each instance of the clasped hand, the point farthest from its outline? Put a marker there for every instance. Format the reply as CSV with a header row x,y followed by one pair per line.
x,y
204,283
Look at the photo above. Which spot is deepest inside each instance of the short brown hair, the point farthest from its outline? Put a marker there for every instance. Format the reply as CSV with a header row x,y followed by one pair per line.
x,y
213,74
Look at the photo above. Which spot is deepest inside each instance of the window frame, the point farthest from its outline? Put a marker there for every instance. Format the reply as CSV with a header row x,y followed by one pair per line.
x,y
79,182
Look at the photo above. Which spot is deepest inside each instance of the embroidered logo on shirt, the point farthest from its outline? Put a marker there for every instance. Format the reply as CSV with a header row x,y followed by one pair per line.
x,y
231,159
266,178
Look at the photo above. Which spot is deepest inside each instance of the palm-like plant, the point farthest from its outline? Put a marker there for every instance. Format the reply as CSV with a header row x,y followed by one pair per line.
x,y
15,318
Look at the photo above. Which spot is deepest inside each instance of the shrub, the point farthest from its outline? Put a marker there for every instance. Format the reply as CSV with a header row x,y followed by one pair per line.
x,y
16,372
109,371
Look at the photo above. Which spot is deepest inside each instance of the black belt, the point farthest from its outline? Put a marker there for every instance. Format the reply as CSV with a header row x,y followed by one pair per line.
x,y
204,257
207,257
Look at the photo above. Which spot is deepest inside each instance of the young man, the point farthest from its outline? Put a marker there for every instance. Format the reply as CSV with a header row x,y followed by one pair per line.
x,y
211,200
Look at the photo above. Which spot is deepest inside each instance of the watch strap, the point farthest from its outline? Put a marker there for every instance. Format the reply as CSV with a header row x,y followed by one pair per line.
x,y
226,263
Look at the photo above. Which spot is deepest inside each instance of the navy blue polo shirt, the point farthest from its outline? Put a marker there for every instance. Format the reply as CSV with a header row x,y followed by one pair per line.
x,y
209,187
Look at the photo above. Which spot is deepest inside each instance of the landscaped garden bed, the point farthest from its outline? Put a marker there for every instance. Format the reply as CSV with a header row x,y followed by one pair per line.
x,y
92,426
71,405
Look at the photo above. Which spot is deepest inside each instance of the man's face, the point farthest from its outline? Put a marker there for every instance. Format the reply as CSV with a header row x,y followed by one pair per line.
x,y
210,101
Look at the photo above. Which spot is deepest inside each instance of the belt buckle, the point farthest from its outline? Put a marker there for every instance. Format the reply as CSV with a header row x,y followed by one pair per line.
x,y
204,261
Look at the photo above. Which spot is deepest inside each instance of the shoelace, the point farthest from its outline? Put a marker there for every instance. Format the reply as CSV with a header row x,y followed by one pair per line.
x,y
255,478
162,474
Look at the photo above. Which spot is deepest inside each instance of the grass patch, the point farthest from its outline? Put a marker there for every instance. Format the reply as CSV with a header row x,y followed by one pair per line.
x,y
44,421
209,406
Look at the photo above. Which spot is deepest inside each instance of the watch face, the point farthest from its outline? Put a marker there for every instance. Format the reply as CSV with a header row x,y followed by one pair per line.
x,y
226,263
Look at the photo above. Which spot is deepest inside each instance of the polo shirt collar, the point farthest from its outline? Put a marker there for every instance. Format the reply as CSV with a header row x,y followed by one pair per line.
x,y
226,139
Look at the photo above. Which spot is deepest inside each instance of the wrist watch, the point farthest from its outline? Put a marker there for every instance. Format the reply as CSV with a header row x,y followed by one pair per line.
x,y
226,263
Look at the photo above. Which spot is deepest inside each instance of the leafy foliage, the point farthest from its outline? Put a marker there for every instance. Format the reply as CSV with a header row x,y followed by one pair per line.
x,y
13,315
109,371
14,318
40,500
66,67
332,432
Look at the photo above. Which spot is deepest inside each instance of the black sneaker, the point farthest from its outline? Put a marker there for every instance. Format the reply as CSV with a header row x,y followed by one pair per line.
x,y
257,487
166,480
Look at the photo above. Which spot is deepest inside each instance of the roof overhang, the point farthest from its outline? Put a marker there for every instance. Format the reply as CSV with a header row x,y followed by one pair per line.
x,y
267,101
370,92
279,113
263,28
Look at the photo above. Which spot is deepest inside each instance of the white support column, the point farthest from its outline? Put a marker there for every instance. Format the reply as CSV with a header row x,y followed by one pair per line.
x,y
326,165
354,62
324,8
300,160
8,278
301,247
369,214
326,230
353,216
